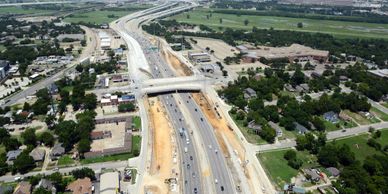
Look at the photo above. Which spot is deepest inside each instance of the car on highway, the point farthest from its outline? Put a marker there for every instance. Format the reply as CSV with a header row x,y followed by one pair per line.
x,y
195,190
191,157
216,181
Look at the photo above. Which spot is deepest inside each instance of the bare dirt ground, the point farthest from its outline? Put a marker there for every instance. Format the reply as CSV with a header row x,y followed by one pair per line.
x,y
117,139
162,158
220,48
179,67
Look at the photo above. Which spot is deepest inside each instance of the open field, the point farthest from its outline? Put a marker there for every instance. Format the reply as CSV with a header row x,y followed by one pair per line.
x,y
361,119
248,134
338,28
96,17
65,160
358,144
385,104
379,114
277,167
20,10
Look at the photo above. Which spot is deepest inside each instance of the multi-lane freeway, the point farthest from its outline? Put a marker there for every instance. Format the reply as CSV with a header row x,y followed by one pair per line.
x,y
192,176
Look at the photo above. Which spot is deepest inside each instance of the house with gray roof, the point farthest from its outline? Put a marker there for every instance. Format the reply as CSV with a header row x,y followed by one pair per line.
x,y
300,128
331,116
12,155
38,154
57,151
254,127
311,175
334,172
47,185
249,93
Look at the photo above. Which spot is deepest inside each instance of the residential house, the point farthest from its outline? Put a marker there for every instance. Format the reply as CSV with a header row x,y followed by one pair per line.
x,y
249,93
12,155
331,116
289,87
81,186
305,87
300,128
38,154
316,74
334,172
254,127
23,188
275,126
57,151
47,185
311,175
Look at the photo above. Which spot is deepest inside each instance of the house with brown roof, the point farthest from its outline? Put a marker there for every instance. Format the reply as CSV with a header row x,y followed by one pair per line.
x,y
81,186
23,188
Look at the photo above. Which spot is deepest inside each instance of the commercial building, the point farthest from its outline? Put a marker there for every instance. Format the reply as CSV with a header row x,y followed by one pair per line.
x,y
293,52
4,68
105,40
109,183
199,57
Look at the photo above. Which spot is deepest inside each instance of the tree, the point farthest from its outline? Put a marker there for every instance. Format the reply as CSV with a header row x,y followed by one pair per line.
x,y
47,138
256,104
24,162
4,135
300,25
84,145
50,121
90,101
220,20
3,164
246,22
298,77
29,137
290,155
41,190
11,144
67,133
188,16
327,156
126,107
83,172
318,123
26,106
79,68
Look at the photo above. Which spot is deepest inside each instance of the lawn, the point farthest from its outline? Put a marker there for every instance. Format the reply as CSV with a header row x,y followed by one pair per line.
x,y
379,114
136,146
248,134
117,157
338,126
23,10
136,120
278,169
385,104
360,119
65,160
96,17
338,28
358,144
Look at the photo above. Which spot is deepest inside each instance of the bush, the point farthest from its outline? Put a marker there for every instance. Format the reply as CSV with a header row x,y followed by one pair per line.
x,y
290,155
126,107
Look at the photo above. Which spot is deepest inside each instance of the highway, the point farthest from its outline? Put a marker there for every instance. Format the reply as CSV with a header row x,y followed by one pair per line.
x,y
222,182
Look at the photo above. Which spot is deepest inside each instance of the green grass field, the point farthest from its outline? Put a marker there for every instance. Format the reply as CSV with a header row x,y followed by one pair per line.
x,y
136,120
20,10
338,28
96,17
385,104
278,169
65,160
358,144
379,114
248,134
